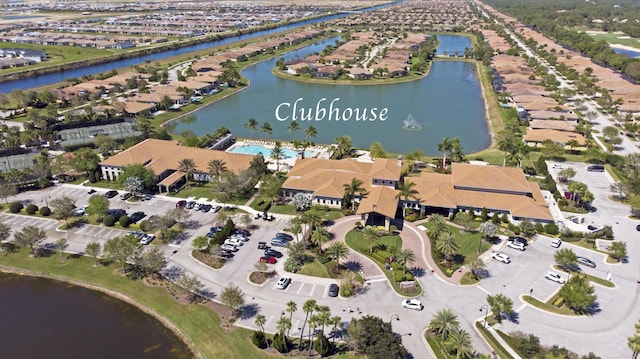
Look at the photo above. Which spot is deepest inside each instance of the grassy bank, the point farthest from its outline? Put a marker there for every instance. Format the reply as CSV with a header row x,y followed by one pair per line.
x,y
197,324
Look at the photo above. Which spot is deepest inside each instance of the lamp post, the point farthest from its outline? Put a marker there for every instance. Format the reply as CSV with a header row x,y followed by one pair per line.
x,y
486,312
394,316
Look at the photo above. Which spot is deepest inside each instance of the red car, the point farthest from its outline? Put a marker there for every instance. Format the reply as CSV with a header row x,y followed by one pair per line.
x,y
268,259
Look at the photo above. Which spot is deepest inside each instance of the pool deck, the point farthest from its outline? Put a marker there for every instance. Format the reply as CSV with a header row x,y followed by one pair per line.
x,y
285,164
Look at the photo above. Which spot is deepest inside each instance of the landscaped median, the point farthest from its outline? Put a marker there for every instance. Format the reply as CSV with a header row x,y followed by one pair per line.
x,y
380,249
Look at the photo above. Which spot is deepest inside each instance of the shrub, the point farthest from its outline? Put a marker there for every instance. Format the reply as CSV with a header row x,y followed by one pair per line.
x,y
109,220
44,211
146,225
292,265
484,215
513,228
279,344
15,207
92,177
505,218
539,227
31,209
124,221
495,219
322,345
399,276
259,339
558,302
551,228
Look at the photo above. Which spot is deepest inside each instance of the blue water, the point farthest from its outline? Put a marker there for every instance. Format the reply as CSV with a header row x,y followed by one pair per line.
x,y
629,53
265,151
450,44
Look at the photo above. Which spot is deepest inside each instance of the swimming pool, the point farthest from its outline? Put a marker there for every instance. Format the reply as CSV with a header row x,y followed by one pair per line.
x,y
266,151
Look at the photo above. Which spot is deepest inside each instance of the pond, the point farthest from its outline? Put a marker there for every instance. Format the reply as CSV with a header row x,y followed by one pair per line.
x,y
47,319
447,102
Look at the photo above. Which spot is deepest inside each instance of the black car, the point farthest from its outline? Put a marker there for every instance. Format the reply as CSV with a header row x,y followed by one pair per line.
x,y
638,228
242,231
117,213
333,290
181,203
262,245
519,240
92,191
205,207
136,216
586,262
272,252
111,194
190,205
216,209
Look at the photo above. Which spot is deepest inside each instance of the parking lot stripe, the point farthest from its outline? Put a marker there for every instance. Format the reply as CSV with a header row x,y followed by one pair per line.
x,y
484,290
312,289
300,289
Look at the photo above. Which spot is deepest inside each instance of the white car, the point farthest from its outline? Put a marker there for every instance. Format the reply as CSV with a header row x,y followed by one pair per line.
x,y
556,243
229,247
239,236
515,245
412,304
557,166
501,257
234,242
283,282
553,276
147,238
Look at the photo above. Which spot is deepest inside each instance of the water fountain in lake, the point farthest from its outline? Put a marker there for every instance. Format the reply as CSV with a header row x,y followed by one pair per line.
x,y
410,124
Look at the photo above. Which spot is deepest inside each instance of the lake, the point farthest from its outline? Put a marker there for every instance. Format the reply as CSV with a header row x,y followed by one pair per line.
x,y
446,103
42,318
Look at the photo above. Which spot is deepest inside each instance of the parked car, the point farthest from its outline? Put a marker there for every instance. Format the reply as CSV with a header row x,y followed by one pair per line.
x,y
279,242
501,257
412,304
190,205
272,252
242,231
181,203
596,168
557,166
80,211
136,216
117,213
515,245
92,191
240,237
126,196
553,276
262,245
234,242
216,208
205,208
111,194
229,247
283,282
586,262
284,235
268,259
147,238
333,290
148,196
556,243
519,240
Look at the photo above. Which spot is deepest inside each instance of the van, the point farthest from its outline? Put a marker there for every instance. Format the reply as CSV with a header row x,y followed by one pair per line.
x,y
596,168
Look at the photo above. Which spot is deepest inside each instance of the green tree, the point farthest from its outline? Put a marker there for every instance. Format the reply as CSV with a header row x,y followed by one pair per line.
x,y
98,205
344,146
476,266
5,231
634,203
291,308
260,321
310,132
377,151
436,226
567,174
527,229
374,337
216,167
566,258
63,208
319,237
30,236
578,294
371,235
350,190
93,249
233,297
7,190
460,342
447,245
634,342
501,306
62,244
191,284
293,128
405,257
618,250
266,128
308,307
151,262
187,166
464,219
283,325
201,243
145,174
444,322
445,146
251,124
406,192
122,250
278,154
338,251
85,160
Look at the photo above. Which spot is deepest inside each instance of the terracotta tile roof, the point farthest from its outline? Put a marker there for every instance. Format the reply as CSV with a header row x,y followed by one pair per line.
x,y
567,126
436,189
541,135
489,178
161,155
382,200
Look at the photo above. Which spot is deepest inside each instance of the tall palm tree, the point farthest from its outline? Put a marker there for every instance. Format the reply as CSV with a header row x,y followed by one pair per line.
x,y
251,124
187,166
266,128
310,132
324,318
293,128
444,146
314,321
312,217
338,251
350,190
634,344
260,321
291,307
335,322
320,236
436,225
406,191
405,257
344,146
370,234
277,153
456,153
308,307
447,245
460,341
216,168
283,325
444,322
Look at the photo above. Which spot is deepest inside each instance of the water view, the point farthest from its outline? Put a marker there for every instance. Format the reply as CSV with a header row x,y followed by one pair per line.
x,y
452,44
627,52
46,319
440,105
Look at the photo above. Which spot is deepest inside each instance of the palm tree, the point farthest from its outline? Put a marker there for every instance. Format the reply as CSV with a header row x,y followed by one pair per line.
x,y
436,225
406,191
446,244
284,325
310,132
338,251
324,318
260,321
370,234
634,344
460,341
291,307
251,124
293,128
308,307
344,146
320,236
335,322
350,190
216,168
187,166
445,147
444,322
277,153
314,320
266,128
405,257
312,217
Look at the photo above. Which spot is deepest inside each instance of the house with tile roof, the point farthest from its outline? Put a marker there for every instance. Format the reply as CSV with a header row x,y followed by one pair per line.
x,y
163,157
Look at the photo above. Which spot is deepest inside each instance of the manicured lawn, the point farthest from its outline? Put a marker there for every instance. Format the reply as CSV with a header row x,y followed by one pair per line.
x,y
469,243
614,39
315,269
196,192
495,345
548,306
197,322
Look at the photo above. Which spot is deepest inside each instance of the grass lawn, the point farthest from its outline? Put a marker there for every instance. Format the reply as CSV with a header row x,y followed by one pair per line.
x,y
495,345
548,306
438,348
469,243
614,39
199,323
468,279
315,269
